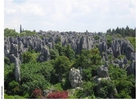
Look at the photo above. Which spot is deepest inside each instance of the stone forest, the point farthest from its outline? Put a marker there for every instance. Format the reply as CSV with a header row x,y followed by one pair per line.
x,y
53,64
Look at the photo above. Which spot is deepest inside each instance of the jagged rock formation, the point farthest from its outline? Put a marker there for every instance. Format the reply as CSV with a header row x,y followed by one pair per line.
x,y
75,77
45,54
44,41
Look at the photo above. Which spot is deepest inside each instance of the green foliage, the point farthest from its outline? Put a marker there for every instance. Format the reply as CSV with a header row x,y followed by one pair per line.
x,y
14,86
10,32
87,74
60,49
87,58
124,84
62,66
13,33
65,83
87,91
122,31
29,56
8,77
54,73
89,61
132,41
95,56
53,53
6,60
109,40
13,97
27,33
64,51
22,34
58,87
35,75
121,56
123,94
69,52
106,88
110,57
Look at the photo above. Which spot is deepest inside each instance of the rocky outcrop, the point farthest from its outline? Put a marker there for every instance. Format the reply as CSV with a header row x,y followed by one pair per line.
x,y
45,54
102,71
75,77
78,41
17,68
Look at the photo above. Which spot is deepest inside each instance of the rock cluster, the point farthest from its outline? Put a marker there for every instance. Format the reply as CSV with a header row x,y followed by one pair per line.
x,y
44,41
75,77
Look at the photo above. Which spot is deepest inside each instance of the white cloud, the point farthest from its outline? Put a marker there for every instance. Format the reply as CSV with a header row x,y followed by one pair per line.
x,y
10,11
79,15
34,9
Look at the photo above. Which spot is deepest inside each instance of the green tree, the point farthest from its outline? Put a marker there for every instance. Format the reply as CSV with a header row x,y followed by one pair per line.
x,y
10,32
29,56
106,88
54,53
6,60
62,66
35,75
69,52
60,49
9,77
132,41
87,91
89,61
124,84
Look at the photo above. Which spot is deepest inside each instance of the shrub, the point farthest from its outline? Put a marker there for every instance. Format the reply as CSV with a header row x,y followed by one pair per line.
x,y
35,75
58,94
37,93
62,66
87,91
10,32
58,87
29,56
6,60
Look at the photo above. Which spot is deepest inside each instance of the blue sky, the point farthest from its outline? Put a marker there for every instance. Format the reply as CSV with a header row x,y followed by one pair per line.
x,y
69,15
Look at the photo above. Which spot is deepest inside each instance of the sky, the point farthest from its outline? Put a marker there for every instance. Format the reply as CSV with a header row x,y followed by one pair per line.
x,y
69,15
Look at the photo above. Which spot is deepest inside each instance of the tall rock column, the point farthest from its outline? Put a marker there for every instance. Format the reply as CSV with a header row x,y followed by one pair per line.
x,y
17,69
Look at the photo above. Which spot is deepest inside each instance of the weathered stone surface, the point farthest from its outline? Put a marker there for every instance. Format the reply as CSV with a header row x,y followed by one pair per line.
x,y
75,77
109,51
98,79
14,49
131,69
77,40
102,71
17,68
45,54
125,61
116,48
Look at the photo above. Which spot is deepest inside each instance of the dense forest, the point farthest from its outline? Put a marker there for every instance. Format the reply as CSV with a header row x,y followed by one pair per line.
x,y
57,64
